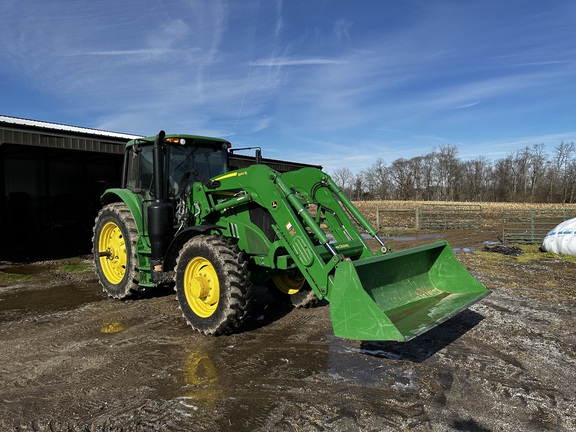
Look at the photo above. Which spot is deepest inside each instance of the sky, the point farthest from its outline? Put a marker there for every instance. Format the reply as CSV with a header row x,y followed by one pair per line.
x,y
329,82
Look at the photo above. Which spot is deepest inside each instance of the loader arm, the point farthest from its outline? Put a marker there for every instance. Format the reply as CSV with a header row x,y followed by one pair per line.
x,y
372,296
298,239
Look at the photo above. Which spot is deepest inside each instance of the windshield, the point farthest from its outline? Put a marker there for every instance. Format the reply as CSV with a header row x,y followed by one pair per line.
x,y
209,162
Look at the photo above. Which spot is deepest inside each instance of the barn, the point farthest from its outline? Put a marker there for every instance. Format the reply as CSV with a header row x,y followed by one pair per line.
x,y
51,178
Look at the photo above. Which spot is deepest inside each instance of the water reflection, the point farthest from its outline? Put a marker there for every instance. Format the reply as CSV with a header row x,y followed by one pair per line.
x,y
349,363
201,380
112,327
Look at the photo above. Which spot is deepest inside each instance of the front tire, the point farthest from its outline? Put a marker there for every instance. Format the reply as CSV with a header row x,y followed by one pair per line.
x,y
213,285
114,251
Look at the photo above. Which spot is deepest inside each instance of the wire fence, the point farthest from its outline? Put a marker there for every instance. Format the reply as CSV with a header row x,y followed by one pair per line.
x,y
517,225
431,216
531,226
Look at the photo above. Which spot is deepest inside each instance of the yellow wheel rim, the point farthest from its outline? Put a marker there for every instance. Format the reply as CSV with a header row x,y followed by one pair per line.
x,y
201,287
112,248
289,284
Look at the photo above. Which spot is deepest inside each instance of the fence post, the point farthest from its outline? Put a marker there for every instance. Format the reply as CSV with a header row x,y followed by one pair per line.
x,y
532,226
378,218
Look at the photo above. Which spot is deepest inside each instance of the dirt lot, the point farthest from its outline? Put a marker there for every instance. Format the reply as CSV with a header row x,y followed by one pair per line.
x,y
72,359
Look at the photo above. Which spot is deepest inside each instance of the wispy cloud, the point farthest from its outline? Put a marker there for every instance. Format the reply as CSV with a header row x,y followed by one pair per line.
x,y
283,61
150,52
468,105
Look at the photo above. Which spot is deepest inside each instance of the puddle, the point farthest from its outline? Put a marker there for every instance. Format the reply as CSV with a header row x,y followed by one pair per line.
x,y
26,270
240,386
412,238
367,368
468,249
344,365
16,274
461,250
51,299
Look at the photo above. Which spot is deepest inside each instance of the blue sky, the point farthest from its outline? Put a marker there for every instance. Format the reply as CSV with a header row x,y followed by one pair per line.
x,y
336,83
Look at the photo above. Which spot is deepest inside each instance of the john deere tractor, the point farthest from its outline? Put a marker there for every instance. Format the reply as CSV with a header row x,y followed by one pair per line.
x,y
182,216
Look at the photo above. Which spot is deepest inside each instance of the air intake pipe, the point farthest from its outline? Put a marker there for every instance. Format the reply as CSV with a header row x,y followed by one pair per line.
x,y
160,213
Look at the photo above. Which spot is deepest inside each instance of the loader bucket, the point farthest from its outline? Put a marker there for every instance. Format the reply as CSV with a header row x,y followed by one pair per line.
x,y
400,295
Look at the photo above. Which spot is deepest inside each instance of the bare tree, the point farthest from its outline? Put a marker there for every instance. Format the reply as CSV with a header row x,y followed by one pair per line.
x,y
415,168
474,173
358,190
402,178
571,174
538,161
377,181
344,178
427,176
447,175
558,177
503,181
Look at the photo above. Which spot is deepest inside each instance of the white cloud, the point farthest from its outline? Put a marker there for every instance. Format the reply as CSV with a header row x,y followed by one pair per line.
x,y
149,52
284,61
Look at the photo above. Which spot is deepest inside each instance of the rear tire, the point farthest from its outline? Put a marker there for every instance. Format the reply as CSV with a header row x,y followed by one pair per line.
x,y
213,285
293,290
114,251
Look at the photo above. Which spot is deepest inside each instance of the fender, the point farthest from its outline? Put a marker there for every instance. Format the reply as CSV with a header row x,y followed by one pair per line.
x,y
182,237
132,202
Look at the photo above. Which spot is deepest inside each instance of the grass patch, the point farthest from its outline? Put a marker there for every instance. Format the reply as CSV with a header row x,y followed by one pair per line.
x,y
13,277
530,253
76,267
533,253
551,274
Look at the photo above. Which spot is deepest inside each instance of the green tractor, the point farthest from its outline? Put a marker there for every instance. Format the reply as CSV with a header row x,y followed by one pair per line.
x,y
183,217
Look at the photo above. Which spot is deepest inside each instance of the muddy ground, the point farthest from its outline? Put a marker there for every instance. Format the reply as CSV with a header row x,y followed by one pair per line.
x,y
72,359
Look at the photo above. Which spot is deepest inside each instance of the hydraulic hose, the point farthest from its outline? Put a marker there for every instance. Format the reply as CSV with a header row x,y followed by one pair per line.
x,y
303,213
354,211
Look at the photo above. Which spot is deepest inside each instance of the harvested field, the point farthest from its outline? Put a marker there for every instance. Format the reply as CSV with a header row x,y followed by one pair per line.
x,y
75,360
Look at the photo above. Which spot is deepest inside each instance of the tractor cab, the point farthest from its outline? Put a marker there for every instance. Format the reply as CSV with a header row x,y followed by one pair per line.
x,y
183,160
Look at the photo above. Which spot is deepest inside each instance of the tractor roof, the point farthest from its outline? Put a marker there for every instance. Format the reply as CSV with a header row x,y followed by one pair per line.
x,y
190,140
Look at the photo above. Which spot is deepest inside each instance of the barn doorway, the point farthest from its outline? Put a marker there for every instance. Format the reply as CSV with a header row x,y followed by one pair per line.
x,y
49,199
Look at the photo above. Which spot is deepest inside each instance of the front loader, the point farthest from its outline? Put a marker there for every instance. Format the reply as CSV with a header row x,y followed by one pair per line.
x,y
183,217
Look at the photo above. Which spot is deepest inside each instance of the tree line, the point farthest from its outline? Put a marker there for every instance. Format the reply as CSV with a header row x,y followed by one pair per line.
x,y
527,175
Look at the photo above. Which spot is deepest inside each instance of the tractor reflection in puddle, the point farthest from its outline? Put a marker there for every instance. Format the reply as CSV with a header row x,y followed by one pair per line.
x,y
201,380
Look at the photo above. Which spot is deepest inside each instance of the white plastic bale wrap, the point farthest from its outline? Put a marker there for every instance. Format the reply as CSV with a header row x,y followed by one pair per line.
x,y
562,239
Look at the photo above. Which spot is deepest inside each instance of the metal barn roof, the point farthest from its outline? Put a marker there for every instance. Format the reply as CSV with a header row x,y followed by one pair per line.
x,y
25,133
64,128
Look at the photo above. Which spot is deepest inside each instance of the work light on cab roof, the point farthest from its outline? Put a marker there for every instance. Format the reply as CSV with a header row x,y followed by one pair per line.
x,y
174,140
